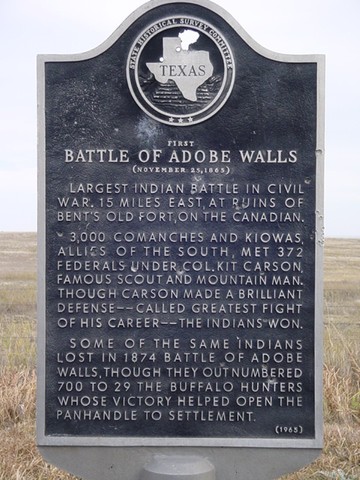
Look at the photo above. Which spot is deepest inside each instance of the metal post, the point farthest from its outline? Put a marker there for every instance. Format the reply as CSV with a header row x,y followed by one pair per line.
x,y
178,467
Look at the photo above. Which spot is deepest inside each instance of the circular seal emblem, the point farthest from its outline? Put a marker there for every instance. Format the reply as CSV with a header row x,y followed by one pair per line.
x,y
180,70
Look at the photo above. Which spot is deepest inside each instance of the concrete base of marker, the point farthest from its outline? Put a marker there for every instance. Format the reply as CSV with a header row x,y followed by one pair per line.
x,y
178,467
112,463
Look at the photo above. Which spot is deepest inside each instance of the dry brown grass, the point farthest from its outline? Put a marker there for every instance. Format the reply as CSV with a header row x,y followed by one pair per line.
x,y
340,459
17,299
19,458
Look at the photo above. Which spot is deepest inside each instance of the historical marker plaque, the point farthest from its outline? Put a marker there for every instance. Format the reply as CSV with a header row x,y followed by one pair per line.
x,y
182,234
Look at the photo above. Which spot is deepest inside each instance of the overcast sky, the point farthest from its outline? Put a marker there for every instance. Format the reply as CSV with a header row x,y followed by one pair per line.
x,y
30,27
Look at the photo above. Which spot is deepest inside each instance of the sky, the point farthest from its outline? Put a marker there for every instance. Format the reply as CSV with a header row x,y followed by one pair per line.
x,y
31,27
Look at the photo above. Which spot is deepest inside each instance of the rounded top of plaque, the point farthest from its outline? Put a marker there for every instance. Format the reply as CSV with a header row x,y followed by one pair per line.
x,y
180,70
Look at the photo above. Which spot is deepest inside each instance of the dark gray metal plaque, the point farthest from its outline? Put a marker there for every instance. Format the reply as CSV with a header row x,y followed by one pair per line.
x,y
181,238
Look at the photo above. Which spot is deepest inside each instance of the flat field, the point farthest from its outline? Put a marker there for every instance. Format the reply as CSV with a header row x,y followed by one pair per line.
x,y
19,459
